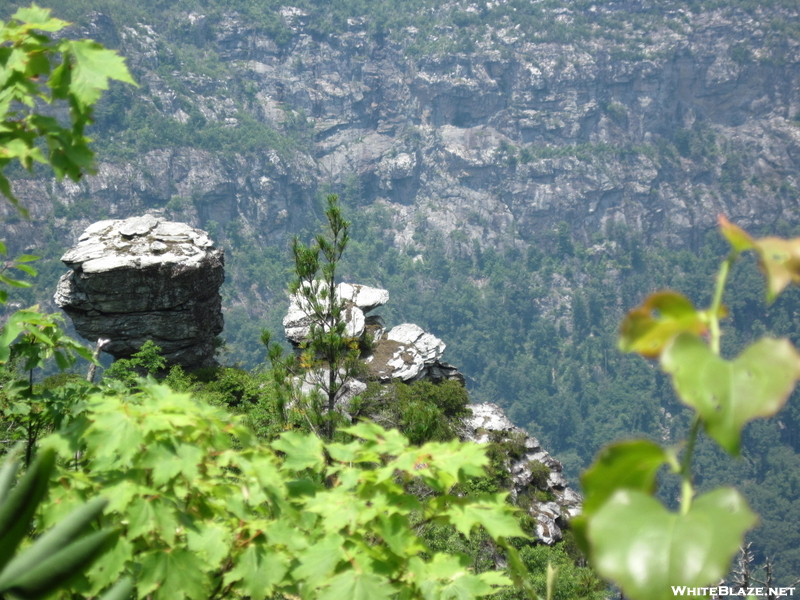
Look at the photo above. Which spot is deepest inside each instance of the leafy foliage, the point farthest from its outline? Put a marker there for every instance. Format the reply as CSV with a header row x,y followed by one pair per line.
x,y
147,361
729,394
780,259
568,360
27,341
693,547
423,411
31,74
208,507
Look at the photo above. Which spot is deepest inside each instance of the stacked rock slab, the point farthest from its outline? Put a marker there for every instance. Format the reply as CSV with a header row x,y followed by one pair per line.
x,y
489,423
359,300
146,278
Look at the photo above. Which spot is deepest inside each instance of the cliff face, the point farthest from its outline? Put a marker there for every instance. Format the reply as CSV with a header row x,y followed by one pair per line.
x,y
495,145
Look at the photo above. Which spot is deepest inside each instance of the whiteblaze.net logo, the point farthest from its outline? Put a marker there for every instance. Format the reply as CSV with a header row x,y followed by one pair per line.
x,y
725,591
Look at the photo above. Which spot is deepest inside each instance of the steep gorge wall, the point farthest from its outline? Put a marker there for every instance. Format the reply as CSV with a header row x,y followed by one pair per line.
x,y
496,146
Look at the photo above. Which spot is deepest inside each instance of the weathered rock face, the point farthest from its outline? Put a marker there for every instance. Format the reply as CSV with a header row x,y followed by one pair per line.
x,y
497,144
406,352
531,471
145,278
359,299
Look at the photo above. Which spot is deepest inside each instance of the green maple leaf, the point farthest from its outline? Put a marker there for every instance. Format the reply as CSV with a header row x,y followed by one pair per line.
x,y
141,518
211,541
491,513
319,560
93,67
302,450
398,534
358,586
173,575
107,569
257,572
35,17
163,462
116,437
469,586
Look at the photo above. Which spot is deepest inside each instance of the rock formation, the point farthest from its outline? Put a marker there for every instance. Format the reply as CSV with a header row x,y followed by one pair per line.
x,y
359,299
557,502
145,278
406,352
659,124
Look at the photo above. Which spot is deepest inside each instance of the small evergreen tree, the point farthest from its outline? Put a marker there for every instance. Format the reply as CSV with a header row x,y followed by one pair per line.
x,y
328,353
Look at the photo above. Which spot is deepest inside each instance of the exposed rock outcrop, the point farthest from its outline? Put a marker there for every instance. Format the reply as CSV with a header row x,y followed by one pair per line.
x,y
359,299
146,278
532,470
659,128
406,352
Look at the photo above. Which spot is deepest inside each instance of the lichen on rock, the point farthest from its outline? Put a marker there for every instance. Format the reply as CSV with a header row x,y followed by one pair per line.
x,y
145,278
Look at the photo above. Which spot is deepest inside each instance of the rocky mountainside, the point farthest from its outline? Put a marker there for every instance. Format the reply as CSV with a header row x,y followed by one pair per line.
x,y
659,124
537,484
406,353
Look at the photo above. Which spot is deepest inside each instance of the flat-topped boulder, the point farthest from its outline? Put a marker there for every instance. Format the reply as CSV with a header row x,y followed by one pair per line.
x,y
146,278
